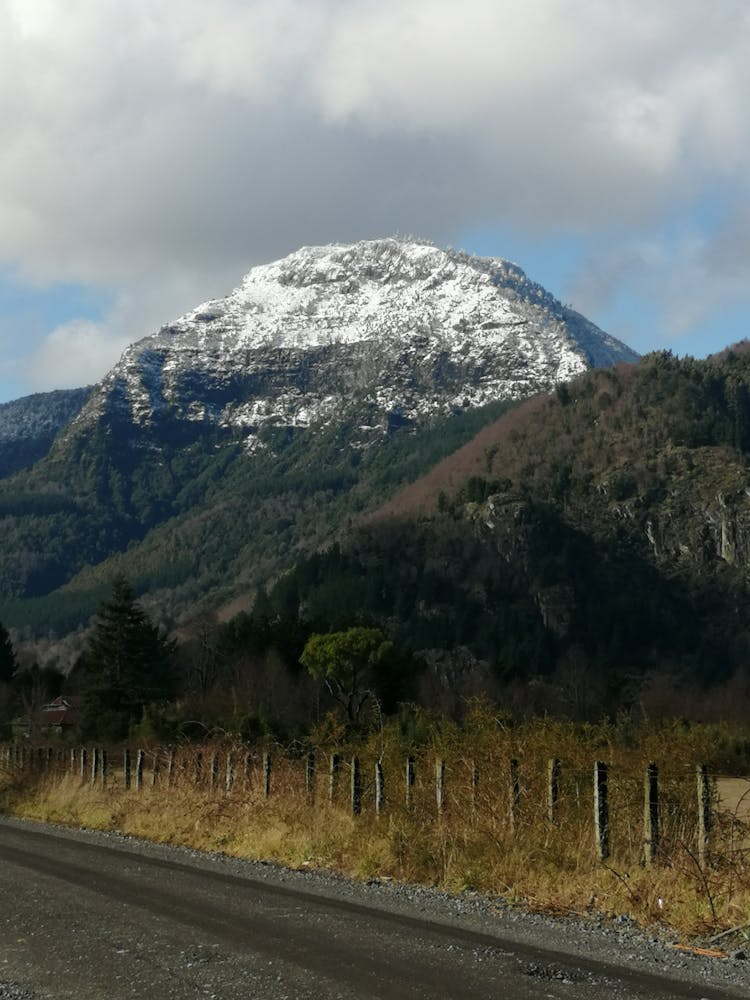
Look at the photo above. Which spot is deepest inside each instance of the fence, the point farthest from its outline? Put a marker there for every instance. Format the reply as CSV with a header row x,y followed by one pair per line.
x,y
641,812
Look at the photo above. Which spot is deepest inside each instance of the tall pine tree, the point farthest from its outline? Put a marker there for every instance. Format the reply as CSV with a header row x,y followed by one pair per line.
x,y
7,657
127,664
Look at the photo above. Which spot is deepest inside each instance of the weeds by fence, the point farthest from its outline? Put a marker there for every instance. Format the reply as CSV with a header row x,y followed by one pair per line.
x,y
549,816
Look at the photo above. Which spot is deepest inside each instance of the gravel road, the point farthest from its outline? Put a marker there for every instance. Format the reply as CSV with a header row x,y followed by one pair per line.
x,y
92,916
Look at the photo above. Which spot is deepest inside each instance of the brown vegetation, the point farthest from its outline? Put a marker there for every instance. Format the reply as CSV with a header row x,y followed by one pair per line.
x,y
485,837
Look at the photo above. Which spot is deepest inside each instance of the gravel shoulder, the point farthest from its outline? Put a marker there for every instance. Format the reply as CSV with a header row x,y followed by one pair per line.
x,y
483,921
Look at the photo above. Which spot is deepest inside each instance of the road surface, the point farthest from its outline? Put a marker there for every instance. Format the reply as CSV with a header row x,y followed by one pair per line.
x,y
89,917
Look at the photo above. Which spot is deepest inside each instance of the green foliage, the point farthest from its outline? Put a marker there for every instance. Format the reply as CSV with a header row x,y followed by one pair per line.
x,y
33,687
7,657
602,538
347,663
127,666
477,489
192,516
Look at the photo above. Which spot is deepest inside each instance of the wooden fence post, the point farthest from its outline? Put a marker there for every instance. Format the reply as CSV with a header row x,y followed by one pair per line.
x,y
170,767
334,767
379,788
229,776
650,814
440,784
704,811
601,810
139,770
103,766
474,785
515,794
73,760
356,787
553,788
83,764
310,775
94,764
266,774
126,767
197,767
247,768
409,780
213,771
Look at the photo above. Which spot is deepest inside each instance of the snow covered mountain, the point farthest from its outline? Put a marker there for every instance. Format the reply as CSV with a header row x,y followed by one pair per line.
x,y
398,327
29,425
252,430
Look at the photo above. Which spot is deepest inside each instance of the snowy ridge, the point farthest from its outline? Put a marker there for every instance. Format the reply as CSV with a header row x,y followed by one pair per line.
x,y
28,426
398,326
42,414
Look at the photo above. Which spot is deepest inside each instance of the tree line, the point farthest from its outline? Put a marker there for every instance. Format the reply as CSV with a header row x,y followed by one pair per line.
x,y
259,674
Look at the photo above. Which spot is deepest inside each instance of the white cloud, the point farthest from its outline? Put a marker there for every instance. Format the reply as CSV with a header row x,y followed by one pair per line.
x,y
79,351
686,278
126,111
166,143
74,353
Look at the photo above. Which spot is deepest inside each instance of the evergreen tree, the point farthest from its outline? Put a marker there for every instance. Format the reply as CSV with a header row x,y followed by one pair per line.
x,y
127,664
7,657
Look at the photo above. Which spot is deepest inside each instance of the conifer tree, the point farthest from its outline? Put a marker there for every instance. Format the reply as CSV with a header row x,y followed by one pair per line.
x,y
127,663
7,656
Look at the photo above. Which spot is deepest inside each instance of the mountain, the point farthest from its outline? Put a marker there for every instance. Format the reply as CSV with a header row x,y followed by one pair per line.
x,y
594,541
399,328
224,447
28,426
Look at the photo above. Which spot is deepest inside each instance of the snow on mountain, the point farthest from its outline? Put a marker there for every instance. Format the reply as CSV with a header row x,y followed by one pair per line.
x,y
42,414
29,425
399,327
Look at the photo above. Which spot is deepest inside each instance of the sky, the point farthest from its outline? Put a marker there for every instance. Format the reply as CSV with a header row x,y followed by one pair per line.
x,y
154,150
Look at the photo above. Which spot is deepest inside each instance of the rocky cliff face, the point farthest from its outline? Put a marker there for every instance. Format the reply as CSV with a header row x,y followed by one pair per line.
x,y
399,328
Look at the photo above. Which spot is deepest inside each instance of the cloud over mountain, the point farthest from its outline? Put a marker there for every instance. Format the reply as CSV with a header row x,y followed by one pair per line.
x,y
161,145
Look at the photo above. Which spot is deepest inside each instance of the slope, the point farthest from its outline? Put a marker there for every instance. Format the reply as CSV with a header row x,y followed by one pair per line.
x,y
28,426
246,433
597,534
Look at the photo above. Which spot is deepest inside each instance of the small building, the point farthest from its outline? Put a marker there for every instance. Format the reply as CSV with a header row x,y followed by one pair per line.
x,y
55,718
60,714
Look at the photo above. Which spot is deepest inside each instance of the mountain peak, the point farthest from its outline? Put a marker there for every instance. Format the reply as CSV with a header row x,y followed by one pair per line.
x,y
395,324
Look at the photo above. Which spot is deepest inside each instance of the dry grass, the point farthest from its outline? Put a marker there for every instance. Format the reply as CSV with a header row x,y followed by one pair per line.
x,y
473,844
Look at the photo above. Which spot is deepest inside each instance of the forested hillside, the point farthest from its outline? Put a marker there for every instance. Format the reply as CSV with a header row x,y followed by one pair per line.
x,y
585,552
28,426
592,540
197,521
245,434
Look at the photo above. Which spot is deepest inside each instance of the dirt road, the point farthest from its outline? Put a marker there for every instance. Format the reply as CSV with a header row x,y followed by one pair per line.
x,y
90,917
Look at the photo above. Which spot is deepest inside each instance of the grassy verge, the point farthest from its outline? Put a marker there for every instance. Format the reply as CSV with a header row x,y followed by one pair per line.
x,y
486,838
